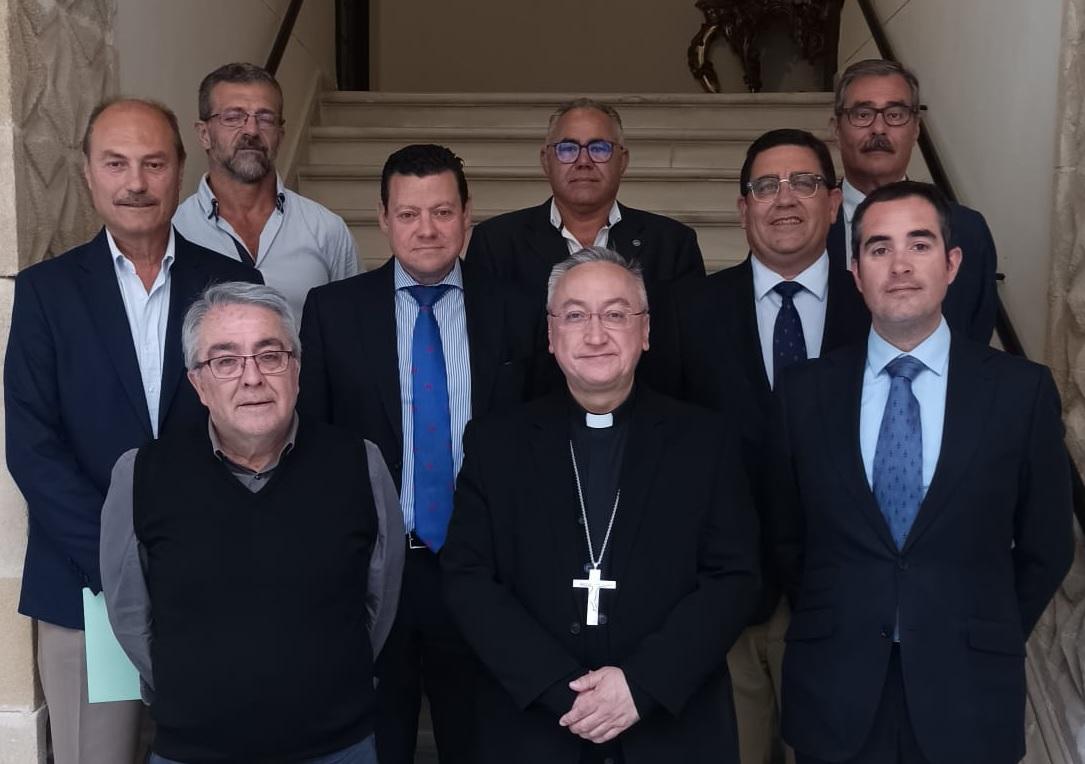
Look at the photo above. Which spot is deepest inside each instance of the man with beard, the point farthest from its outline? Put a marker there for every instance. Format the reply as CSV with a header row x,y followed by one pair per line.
x,y
876,125
241,208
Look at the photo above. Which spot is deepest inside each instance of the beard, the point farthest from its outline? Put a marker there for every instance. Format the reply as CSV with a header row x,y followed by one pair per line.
x,y
250,161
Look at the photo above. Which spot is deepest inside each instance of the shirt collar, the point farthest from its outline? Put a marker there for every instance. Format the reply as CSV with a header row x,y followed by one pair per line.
x,y
815,279
119,259
403,279
933,352
216,445
205,197
853,197
612,219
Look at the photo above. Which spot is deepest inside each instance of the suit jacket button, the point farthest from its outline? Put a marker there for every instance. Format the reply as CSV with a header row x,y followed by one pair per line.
x,y
580,520
902,564
574,628
602,619
885,632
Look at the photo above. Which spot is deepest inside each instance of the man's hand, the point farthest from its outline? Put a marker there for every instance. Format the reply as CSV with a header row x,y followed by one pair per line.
x,y
603,708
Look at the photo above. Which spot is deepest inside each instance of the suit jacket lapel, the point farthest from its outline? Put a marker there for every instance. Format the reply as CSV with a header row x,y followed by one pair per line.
x,y
104,303
838,250
625,236
841,395
969,396
748,339
643,451
557,499
186,281
483,308
545,239
378,353
847,320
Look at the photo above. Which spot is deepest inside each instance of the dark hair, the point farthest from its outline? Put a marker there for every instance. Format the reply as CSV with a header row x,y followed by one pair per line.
x,y
422,160
239,73
788,137
873,67
903,189
161,108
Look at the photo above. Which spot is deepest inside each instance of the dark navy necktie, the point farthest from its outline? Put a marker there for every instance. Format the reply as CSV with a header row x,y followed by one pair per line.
x,y
898,457
432,430
788,341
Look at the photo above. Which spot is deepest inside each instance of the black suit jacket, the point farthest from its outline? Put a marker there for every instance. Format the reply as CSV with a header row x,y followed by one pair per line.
x,y
989,546
683,551
350,363
521,247
708,351
75,402
972,298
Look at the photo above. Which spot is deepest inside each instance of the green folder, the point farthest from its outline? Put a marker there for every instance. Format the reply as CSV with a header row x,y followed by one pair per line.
x,y
110,675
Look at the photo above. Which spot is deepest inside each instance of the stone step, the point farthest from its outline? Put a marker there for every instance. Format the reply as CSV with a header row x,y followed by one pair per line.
x,y
717,111
342,187
519,146
721,238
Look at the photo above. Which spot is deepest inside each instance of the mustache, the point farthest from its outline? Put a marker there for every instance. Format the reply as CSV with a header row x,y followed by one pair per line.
x,y
136,200
250,142
877,142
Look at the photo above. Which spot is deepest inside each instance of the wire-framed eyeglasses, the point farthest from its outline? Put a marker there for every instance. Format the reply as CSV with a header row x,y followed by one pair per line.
x,y
802,184
233,366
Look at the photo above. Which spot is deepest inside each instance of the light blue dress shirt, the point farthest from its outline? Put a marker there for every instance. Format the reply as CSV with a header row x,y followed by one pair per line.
x,y
148,312
452,320
929,389
810,304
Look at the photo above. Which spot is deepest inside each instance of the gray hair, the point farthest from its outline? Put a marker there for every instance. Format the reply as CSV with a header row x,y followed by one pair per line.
x,y
238,73
596,255
873,67
585,103
235,293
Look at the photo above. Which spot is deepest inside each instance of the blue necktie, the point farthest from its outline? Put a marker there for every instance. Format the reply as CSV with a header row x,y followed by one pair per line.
x,y
898,457
433,480
788,341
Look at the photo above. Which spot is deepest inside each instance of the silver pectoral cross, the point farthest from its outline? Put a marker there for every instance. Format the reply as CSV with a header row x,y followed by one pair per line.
x,y
593,583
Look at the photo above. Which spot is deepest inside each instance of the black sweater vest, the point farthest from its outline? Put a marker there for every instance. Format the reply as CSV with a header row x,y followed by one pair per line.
x,y
260,646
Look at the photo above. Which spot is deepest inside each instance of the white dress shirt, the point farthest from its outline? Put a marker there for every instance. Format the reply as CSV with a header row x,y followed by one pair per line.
x,y
602,238
810,303
148,312
929,388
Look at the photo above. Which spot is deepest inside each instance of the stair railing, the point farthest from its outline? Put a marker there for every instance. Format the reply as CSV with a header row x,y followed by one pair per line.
x,y
286,28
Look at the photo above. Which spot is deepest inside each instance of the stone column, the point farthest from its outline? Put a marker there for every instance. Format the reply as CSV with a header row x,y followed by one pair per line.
x,y
56,62
1056,651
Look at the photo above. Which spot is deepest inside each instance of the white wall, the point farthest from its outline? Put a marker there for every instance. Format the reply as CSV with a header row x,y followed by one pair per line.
x,y
165,48
988,70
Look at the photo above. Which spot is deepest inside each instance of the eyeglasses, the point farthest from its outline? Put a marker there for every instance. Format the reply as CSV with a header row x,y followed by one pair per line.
x,y
235,118
610,319
895,115
233,366
803,185
599,151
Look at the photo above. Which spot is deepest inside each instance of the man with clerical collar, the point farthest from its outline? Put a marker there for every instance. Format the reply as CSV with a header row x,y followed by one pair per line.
x,y
733,336
876,124
602,554
922,514
241,207
251,565
584,158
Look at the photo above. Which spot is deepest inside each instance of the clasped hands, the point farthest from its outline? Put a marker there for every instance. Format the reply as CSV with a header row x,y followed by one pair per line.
x,y
603,708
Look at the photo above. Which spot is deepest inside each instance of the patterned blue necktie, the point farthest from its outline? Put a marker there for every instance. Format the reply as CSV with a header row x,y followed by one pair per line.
x,y
898,457
433,480
788,341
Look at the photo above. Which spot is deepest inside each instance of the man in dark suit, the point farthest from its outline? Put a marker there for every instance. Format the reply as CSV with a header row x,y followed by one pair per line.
x,y
876,125
733,335
404,356
584,160
94,368
602,556
923,516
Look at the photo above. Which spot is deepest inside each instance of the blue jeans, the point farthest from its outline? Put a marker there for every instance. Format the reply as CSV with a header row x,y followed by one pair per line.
x,y
364,752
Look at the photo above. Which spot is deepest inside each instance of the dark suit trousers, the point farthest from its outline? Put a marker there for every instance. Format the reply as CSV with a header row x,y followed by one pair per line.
x,y
425,652
892,739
